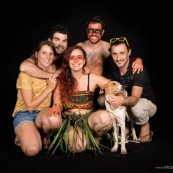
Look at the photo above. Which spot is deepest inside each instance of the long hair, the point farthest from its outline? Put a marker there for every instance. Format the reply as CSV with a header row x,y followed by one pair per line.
x,y
67,83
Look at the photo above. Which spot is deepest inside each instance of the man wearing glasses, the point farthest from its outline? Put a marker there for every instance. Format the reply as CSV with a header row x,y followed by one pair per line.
x,y
97,49
141,103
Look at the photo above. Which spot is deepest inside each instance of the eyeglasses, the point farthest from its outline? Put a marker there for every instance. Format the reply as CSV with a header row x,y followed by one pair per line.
x,y
121,39
92,30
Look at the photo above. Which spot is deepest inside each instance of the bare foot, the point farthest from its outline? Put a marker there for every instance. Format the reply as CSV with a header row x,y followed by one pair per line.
x,y
145,129
46,141
97,139
97,142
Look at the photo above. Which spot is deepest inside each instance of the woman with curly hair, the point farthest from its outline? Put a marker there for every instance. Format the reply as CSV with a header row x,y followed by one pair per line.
x,y
73,99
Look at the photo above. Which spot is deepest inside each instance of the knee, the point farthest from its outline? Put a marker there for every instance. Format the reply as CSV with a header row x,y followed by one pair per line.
x,y
56,122
31,151
77,148
77,145
53,123
140,116
105,118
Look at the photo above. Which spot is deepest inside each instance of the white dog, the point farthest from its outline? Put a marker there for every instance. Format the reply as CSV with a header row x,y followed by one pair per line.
x,y
118,114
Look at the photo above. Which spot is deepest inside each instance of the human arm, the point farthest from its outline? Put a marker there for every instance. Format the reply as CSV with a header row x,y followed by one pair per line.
x,y
137,65
100,81
57,105
28,95
28,66
57,72
116,101
86,70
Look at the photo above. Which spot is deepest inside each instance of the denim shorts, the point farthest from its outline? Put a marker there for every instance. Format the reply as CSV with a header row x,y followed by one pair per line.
x,y
24,116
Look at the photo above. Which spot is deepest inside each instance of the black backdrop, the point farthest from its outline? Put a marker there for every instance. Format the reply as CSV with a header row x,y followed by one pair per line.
x,y
145,24
23,25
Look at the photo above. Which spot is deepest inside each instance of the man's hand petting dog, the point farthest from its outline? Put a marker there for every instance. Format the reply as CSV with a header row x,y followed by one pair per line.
x,y
114,99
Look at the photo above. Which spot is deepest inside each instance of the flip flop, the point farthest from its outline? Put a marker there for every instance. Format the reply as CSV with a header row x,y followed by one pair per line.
x,y
144,138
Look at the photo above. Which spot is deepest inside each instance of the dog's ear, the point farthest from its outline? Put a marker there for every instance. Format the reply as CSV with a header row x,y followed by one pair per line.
x,y
101,91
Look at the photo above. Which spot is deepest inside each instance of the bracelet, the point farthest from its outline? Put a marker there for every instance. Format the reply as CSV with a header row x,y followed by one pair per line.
x,y
126,101
57,104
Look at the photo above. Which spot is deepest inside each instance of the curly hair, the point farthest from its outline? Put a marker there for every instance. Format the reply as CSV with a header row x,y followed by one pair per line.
x,y
67,83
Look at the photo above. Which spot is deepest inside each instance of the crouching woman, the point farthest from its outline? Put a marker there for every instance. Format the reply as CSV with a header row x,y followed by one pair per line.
x,y
33,102
74,95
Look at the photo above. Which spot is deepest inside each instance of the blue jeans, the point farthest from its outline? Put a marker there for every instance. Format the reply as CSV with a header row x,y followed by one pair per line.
x,y
24,116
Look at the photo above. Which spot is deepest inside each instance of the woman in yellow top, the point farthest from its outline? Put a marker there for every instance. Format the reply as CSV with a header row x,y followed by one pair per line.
x,y
82,126
33,101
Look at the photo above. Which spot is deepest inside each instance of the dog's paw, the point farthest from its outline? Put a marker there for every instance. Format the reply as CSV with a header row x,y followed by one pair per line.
x,y
124,151
114,148
135,139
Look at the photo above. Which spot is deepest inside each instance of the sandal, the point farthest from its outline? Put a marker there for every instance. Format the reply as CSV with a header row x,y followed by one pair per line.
x,y
46,141
146,138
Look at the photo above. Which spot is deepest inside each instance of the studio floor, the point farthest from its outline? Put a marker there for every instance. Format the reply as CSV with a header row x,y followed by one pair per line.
x,y
144,24
154,156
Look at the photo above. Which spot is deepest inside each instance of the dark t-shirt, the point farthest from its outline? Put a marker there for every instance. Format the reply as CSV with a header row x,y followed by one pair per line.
x,y
129,80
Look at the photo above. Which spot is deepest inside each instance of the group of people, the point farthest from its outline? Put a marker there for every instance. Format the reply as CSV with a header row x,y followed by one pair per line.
x,y
56,90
